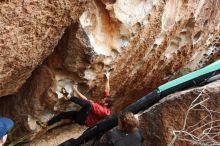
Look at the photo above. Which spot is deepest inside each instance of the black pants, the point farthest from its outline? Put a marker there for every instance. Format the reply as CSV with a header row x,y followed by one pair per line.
x,y
95,131
77,116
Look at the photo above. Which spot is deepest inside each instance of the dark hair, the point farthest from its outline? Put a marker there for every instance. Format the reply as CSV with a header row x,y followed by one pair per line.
x,y
64,93
128,121
110,101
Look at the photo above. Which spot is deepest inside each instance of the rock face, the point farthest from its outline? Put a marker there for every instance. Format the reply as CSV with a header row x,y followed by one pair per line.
x,y
58,135
169,115
30,30
147,43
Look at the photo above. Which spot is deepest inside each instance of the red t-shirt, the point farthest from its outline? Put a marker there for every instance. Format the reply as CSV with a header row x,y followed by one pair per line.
x,y
97,113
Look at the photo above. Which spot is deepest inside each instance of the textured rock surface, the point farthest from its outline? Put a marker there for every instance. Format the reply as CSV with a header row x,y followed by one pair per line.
x,y
146,42
162,54
160,121
29,32
58,135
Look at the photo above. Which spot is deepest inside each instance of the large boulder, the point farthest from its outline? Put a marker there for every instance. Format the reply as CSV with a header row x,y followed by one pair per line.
x,y
146,42
184,118
30,30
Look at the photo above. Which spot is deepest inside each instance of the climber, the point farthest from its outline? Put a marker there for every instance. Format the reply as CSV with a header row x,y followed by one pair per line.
x,y
5,126
90,113
127,132
66,95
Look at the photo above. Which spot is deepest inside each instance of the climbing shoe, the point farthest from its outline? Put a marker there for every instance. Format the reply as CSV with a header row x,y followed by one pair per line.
x,y
41,124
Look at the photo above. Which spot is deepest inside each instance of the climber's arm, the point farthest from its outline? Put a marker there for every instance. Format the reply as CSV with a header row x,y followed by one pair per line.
x,y
107,86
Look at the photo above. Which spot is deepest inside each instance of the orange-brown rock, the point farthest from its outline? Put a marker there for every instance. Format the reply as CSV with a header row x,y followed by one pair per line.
x,y
160,121
146,42
29,32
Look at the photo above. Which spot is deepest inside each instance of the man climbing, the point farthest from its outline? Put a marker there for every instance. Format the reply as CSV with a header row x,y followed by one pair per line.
x,y
90,112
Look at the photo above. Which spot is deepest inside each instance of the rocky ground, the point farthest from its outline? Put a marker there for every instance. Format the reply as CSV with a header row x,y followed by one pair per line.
x,y
58,135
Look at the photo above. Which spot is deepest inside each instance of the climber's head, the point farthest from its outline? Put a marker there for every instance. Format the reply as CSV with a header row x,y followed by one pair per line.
x,y
107,101
63,90
127,121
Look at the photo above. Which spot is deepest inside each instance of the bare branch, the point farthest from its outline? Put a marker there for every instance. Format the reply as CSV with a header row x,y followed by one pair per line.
x,y
206,131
